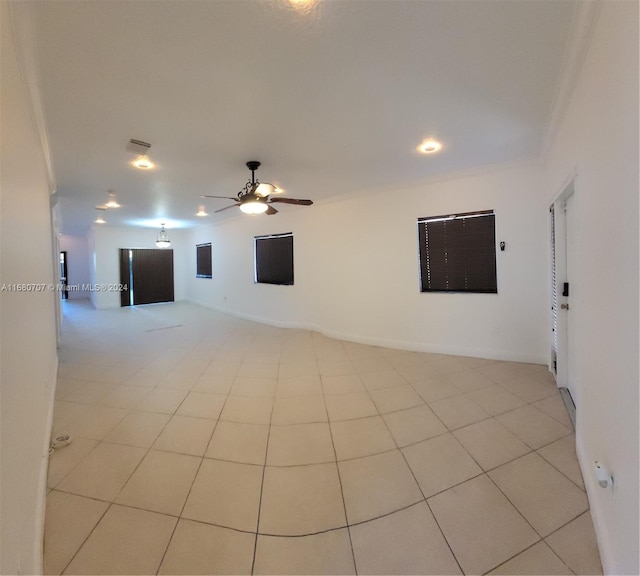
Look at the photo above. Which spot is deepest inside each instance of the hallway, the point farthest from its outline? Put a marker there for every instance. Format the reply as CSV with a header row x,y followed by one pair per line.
x,y
207,444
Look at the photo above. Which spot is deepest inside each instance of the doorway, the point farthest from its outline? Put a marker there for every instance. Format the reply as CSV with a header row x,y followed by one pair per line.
x,y
146,276
64,277
563,258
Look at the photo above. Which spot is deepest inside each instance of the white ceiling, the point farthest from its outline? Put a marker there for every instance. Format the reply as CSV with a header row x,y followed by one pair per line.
x,y
332,100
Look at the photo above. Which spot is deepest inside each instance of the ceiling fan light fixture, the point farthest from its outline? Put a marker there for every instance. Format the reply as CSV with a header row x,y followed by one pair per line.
x,y
201,212
163,241
254,207
264,189
258,197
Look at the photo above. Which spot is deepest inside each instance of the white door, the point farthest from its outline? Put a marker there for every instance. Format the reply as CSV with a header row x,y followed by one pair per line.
x,y
564,245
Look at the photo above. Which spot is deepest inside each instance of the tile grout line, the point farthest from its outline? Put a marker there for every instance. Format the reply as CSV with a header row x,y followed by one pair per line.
x,y
485,473
237,337
110,504
420,487
264,472
424,498
202,458
344,503
542,540
583,488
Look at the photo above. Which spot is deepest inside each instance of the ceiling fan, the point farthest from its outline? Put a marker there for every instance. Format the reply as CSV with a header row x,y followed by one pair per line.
x,y
256,197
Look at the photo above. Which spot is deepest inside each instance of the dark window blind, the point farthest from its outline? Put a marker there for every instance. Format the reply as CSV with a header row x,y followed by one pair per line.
x,y
458,253
152,272
203,261
274,259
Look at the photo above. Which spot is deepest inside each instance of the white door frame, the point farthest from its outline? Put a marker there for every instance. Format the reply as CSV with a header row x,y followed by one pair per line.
x,y
562,241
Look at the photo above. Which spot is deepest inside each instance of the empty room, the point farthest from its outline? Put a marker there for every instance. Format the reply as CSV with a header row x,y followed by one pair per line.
x,y
319,287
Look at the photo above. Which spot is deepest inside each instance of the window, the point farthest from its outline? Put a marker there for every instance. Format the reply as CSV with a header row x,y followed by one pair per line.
x,y
274,259
203,261
458,253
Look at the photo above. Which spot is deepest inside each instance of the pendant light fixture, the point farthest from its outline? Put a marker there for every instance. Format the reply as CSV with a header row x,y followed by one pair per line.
x,y
100,219
112,202
163,241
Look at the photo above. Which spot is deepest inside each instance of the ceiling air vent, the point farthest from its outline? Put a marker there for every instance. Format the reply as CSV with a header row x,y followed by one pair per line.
x,y
138,146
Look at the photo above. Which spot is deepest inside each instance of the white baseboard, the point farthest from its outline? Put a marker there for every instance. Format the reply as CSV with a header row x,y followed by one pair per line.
x,y
387,343
258,319
41,502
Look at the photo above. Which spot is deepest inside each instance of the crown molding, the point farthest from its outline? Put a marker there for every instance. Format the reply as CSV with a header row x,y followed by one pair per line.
x,y
24,34
583,24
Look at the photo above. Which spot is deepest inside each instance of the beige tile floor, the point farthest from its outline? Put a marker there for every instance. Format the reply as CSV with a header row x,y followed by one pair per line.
x,y
204,444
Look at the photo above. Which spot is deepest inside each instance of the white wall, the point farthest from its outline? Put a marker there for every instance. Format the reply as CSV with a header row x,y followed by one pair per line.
x,y
357,273
28,330
232,288
77,248
598,139
104,245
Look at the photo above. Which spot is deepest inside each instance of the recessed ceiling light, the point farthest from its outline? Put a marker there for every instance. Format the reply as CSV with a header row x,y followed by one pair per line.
x,y
304,6
143,163
429,146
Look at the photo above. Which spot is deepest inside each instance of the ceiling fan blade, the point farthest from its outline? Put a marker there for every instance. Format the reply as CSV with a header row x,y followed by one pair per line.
x,y
226,208
291,201
271,211
223,197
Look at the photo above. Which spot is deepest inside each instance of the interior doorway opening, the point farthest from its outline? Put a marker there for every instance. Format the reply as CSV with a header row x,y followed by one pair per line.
x,y
563,236
64,277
